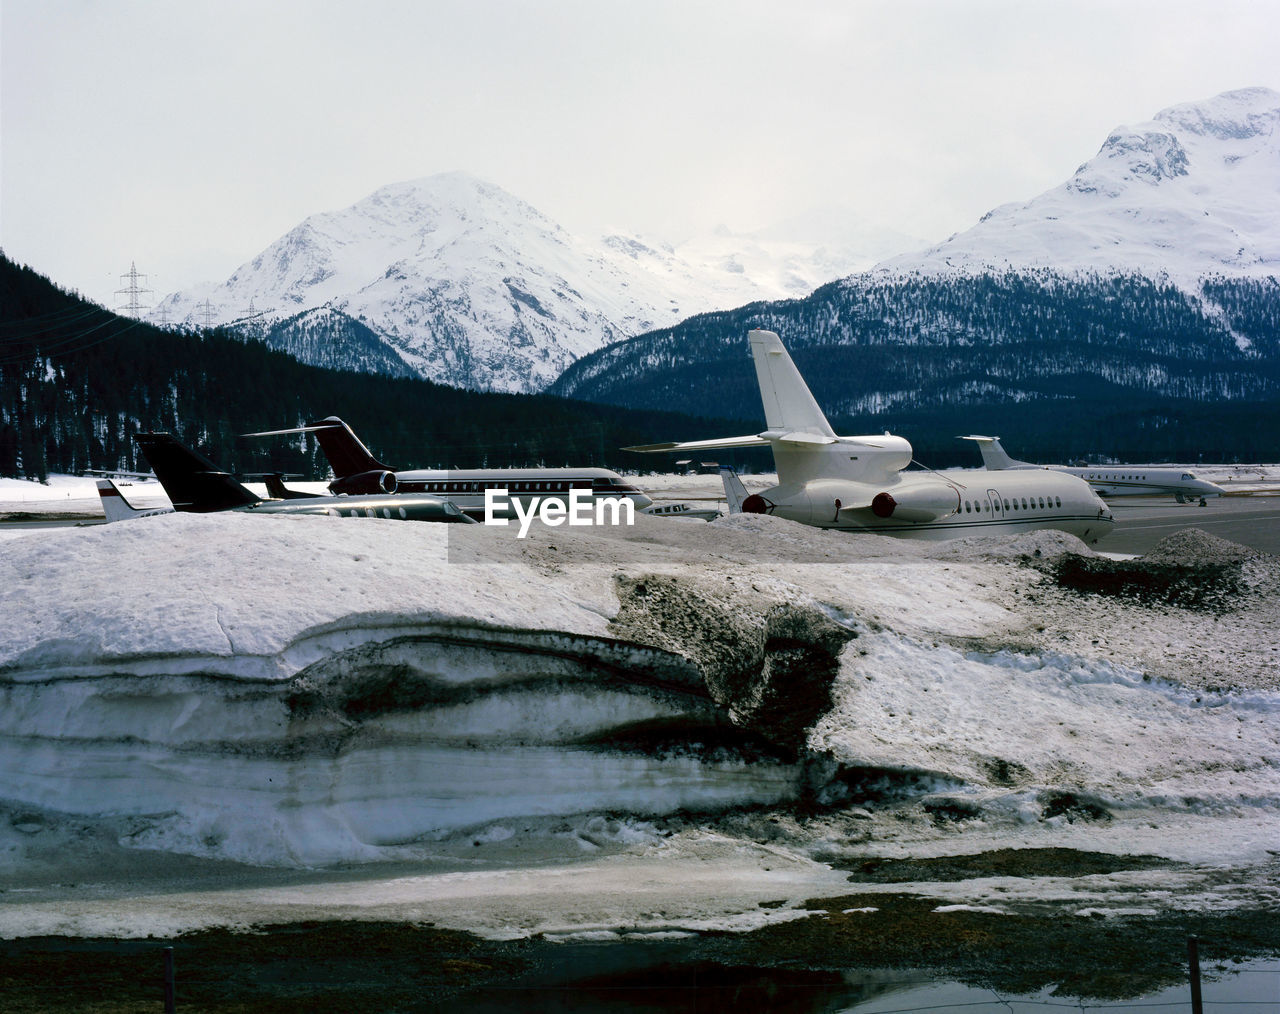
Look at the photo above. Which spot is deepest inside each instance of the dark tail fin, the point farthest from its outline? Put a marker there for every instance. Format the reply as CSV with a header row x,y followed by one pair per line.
x,y
343,449
276,489
192,481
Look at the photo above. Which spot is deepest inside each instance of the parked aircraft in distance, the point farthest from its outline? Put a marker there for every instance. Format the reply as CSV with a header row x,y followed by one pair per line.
x,y
356,470
117,508
859,483
194,484
681,509
1111,480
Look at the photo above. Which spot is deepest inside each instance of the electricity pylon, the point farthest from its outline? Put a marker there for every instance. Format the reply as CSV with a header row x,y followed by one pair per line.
x,y
132,291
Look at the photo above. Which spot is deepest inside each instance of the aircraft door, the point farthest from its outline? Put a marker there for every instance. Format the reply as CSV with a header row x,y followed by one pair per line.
x,y
997,508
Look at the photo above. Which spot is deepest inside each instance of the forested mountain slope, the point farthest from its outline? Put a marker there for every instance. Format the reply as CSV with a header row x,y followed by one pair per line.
x,y
1061,365
77,381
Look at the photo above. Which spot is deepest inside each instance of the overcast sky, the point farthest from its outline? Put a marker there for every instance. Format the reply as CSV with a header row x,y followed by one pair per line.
x,y
188,135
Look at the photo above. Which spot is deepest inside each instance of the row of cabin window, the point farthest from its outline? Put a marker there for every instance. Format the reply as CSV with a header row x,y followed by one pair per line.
x,y
513,487
369,512
1120,478
976,505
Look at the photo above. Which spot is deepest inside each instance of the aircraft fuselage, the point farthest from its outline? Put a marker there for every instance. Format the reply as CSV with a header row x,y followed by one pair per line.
x,y
1137,480
393,506
466,487
944,505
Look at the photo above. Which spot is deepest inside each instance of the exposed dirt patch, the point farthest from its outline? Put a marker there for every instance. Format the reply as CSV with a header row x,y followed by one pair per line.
x,y
767,655
1208,587
1052,862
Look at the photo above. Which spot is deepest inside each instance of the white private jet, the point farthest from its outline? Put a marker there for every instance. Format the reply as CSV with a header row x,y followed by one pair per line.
x,y
1111,481
858,484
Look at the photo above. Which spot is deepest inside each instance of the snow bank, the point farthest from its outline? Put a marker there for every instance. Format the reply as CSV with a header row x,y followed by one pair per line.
x,y
310,692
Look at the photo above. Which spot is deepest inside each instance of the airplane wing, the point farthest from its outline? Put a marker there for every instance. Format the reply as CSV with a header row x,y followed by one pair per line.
x,y
701,445
313,428
766,439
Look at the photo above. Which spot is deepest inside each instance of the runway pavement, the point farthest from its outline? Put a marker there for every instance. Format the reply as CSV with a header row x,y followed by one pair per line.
x,y
1141,522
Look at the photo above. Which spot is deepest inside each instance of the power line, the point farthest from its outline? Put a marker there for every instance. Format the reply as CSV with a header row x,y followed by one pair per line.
x,y
71,343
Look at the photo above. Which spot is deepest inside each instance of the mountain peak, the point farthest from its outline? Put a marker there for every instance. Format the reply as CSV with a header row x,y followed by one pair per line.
x,y
1189,193
467,284
454,186
1234,115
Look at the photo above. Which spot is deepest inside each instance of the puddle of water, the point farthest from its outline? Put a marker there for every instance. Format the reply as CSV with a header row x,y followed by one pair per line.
x,y
1248,988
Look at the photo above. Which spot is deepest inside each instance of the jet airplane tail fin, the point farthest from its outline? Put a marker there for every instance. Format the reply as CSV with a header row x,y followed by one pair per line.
x,y
277,490
117,508
734,491
193,482
789,406
994,457
345,452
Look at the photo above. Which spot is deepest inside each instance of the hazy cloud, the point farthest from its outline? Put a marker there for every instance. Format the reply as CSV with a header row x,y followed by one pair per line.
x,y
188,136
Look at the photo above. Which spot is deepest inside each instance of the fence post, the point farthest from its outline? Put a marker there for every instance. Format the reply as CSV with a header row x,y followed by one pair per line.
x,y
170,992
1193,955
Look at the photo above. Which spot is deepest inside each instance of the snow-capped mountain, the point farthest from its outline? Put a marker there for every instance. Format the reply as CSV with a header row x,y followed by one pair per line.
x,y
1150,277
1193,192
468,285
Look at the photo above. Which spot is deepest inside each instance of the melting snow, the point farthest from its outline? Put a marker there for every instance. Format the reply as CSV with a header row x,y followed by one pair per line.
x,y
575,734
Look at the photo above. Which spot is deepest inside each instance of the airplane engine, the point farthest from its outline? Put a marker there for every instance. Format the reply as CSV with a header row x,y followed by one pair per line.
x,y
923,502
365,483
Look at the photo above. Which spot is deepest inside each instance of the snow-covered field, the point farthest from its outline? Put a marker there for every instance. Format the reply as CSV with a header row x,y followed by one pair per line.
x,y
615,731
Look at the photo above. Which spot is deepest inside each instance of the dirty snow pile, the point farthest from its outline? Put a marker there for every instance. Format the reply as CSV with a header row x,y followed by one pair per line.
x,y
309,692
